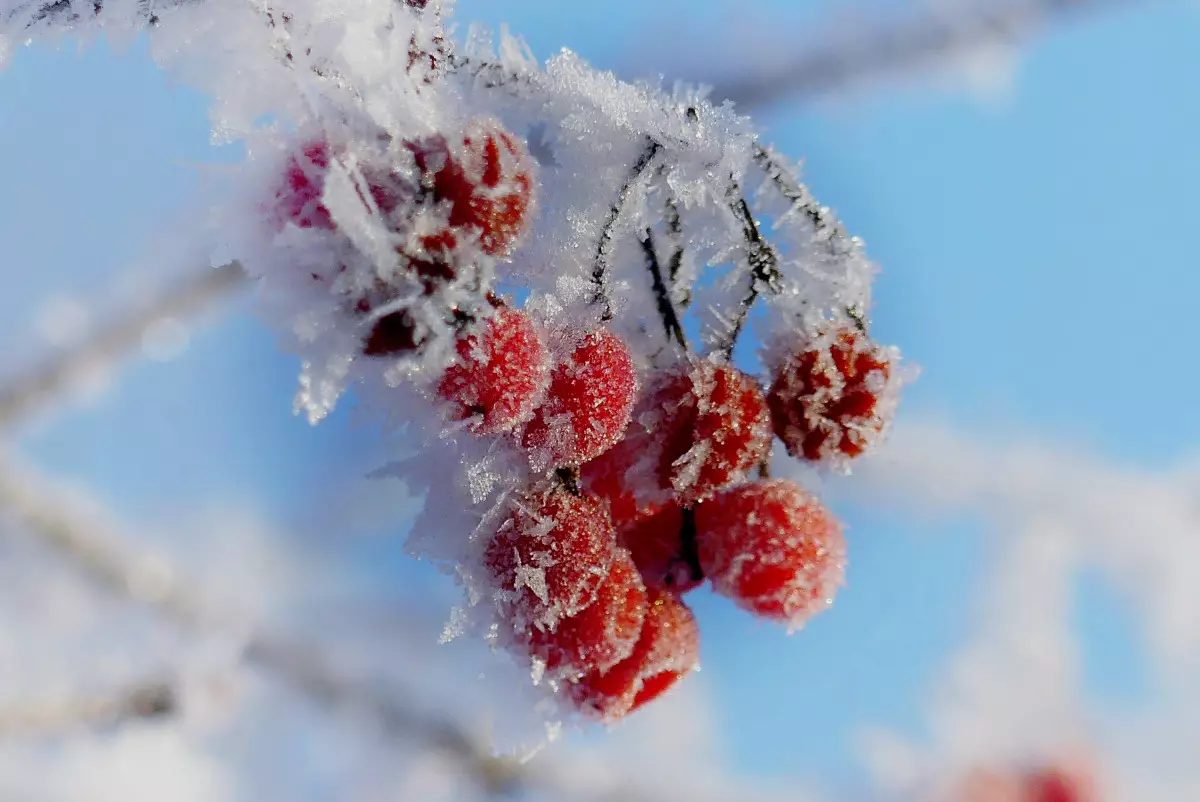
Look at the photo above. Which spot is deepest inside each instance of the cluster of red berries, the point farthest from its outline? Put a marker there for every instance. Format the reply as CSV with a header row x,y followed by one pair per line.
x,y
640,492
644,500
472,194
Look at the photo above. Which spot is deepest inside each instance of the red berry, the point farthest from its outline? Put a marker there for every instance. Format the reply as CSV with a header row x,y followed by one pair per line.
x,y
773,548
604,633
662,541
550,555
618,476
666,651
502,371
299,199
715,428
588,404
825,400
486,177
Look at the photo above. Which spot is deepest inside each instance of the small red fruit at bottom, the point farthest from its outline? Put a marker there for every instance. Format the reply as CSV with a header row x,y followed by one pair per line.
x,y
550,555
825,399
667,650
588,404
502,371
773,548
604,633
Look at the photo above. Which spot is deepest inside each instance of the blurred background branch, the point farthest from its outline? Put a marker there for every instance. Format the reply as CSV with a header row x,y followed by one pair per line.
x,y
190,295
846,54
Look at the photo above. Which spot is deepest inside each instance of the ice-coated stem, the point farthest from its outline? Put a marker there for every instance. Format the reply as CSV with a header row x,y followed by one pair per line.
x,y
763,260
603,250
689,549
675,263
662,296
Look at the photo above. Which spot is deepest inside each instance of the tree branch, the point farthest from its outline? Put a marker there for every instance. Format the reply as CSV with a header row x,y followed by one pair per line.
x,y
150,700
600,270
23,394
837,63
763,260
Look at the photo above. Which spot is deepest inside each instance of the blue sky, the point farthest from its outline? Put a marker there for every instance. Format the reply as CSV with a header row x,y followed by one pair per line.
x,y
1036,263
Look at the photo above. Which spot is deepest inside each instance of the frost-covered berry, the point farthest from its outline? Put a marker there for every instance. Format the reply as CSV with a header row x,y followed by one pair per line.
x,y
826,399
485,177
550,555
603,633
773,548
666,651
620,476
298,199
662,541
715,427
501,374
588,404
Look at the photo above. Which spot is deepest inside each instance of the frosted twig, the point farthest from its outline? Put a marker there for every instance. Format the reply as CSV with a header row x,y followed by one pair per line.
x,y
150,700
763,260
934,38
600,271
22,394
662,296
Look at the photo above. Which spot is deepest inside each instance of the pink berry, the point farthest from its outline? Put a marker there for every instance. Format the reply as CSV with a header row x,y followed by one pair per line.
x,y
550,555
502,371
666,651
825,400
486,177
773,548
588,404
603,633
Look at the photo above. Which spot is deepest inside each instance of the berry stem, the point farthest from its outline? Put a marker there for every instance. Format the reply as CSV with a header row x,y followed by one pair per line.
x,y
763,260
838,242
675,235
689,550
600,270
568,477
666,309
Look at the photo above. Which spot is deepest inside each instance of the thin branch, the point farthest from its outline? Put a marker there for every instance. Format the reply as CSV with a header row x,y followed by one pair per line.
x,y
675,263
150,700
23,394
826,227
603,250
662,296
763,260
934,39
